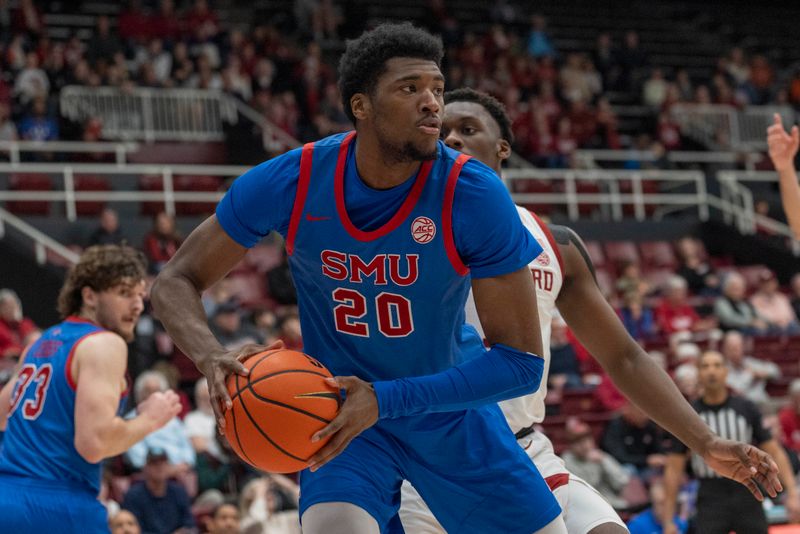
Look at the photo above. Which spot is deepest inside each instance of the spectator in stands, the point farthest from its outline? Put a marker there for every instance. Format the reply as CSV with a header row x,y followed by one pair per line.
x,y
773,306
224,520
16,330
108,232
202,22
635,441
104,43
161,505
630,280
8,130
201,426
280,284
631,60
172,439
39,125
166,23
266,324
637,317
28,19
698,273
773,424
685,377
539,43
796,294
789,417
32,81
604,59
596,467
674,314
155,58
734,311
161,243
262,509
565,369
227,326
217,295
654,90
747,376
650,520
124,522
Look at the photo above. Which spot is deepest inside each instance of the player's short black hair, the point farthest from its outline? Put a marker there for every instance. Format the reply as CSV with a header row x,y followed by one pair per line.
x,y
364,59
489,103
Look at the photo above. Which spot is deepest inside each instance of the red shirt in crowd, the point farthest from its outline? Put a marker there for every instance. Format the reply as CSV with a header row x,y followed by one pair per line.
x,y
160,249
672,318
13,335
790,422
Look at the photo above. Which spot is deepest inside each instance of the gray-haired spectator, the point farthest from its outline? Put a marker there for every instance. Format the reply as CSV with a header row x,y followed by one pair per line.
x,y
108,231
773,305
16,330
675,315
685,377
734,311
747,376
172,438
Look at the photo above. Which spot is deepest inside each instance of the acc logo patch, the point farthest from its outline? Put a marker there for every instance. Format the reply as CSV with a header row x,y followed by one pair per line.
x,y
543,259
423,230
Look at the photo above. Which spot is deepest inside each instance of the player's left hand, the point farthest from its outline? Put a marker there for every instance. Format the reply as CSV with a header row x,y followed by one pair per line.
x,y
744,464
358,413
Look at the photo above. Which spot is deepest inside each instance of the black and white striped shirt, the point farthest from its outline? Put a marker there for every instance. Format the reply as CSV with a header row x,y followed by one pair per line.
x,y
736,418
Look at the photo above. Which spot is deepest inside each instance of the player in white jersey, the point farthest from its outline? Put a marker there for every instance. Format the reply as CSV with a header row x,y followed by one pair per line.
x,y
477,124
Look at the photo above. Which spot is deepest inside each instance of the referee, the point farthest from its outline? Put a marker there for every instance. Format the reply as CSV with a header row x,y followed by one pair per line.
x,y
724,506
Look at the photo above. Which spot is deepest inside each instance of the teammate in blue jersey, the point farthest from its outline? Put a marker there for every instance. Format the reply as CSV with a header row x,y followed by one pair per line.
x,y
60,409
383,226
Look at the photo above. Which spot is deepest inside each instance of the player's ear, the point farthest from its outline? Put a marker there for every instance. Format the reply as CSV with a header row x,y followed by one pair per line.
x,y
360,106
88,297
503,149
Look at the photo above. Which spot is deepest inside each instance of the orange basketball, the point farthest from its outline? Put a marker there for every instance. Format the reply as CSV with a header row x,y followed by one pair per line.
x,y
277,408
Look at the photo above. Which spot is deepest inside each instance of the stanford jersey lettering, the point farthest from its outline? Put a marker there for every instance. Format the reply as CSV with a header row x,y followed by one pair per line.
x,y
542,279
343,266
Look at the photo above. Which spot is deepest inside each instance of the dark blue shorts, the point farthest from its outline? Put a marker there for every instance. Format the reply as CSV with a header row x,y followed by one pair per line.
x,y
29,505
466,465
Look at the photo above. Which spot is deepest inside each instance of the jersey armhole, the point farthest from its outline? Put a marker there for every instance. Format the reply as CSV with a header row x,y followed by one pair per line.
x,y
550,239
73,384
447,216
306,158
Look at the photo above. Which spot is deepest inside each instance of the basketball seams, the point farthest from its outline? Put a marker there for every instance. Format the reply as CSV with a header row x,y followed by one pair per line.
x,y
235,431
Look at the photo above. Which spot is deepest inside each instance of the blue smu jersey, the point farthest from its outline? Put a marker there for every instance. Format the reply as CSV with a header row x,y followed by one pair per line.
x,y
39,441
384,303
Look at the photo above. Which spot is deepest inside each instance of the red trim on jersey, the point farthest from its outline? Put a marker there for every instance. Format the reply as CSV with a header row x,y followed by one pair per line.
x,y
68,366
77,319
397,219
306,158
447,216
556,481
551,240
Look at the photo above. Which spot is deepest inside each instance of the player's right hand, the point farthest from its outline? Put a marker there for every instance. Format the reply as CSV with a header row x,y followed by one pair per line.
x,y
160,407
217,368
670,528
782,146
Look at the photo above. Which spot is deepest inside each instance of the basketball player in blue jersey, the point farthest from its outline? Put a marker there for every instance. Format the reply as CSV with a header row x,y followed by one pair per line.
x,y
477,124
61,408
383,225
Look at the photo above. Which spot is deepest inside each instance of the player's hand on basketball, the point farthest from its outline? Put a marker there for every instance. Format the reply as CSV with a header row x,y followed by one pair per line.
x,y
218,366
358,413
745,464
782,146
159,408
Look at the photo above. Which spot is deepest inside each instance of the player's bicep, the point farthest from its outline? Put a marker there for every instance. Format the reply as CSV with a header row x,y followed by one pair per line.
x,y
587,312
206,256
507,310
100,362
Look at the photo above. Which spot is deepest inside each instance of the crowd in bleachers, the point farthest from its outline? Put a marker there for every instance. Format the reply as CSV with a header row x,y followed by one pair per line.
x,y
558,101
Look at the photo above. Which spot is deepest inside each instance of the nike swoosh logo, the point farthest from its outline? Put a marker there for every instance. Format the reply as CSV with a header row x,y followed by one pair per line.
x,y
311,218
320,395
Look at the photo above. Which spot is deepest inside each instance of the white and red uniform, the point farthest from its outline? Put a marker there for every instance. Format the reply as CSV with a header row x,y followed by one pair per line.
x,y
583,507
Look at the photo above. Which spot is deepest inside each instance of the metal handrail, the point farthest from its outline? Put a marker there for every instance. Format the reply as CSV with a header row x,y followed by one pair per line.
x,y
42,241
750,159
15,148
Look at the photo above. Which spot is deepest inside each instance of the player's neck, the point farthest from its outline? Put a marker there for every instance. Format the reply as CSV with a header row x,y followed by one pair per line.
x,y
378,171
88,315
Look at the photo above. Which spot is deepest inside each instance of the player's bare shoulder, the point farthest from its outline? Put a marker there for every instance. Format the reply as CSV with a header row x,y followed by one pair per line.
x,y
573,251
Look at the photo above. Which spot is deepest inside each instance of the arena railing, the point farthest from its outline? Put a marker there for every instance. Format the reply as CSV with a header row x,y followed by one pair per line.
x,y
16,148
42,242
748,159
720,126
148,114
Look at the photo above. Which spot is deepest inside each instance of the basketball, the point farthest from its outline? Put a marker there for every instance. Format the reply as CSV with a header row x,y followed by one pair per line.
x,y
277,408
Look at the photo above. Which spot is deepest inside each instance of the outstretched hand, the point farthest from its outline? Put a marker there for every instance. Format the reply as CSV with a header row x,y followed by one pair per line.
x,y
744,464
358,413
218,367
782,146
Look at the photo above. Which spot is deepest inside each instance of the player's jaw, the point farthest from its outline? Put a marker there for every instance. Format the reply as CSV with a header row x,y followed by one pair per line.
x,y
119,308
